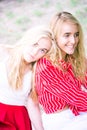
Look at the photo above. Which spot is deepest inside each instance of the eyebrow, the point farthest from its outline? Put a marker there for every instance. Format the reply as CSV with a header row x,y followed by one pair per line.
x,y
70,32
36,43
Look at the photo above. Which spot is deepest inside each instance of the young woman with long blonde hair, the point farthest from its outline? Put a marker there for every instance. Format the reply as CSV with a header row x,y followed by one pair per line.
x,y
16,63
61,80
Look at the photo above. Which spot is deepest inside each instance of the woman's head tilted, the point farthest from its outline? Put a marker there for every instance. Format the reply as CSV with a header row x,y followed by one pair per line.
x,y
36,42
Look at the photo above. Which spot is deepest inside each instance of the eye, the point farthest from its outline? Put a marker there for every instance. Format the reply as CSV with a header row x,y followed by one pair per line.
x,y
76,34
43,51
66,35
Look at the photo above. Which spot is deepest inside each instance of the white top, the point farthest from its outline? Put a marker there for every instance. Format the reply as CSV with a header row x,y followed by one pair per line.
x,y
9,95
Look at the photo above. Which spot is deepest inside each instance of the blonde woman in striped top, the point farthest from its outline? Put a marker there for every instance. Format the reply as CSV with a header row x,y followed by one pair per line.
x,y
61,80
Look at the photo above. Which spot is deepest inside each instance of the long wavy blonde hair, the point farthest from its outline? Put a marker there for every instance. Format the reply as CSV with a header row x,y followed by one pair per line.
x,y
15,61
77,59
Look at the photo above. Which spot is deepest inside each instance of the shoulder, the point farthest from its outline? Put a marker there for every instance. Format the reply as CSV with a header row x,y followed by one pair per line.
x,y
44,61
43,64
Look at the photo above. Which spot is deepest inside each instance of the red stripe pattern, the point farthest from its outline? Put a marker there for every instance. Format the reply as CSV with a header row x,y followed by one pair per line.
x,y
56,88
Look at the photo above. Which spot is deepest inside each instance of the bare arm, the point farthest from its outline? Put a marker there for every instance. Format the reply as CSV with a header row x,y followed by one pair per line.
x,y
35,114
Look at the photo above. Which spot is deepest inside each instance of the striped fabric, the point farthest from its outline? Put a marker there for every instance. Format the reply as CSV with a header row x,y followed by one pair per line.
x,y
56,88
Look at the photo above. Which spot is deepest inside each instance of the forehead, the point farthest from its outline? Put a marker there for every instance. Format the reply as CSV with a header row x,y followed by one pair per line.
x,y
69,27
44,42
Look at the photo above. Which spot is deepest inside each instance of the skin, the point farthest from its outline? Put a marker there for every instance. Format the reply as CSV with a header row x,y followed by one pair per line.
x,y
68,38
35,51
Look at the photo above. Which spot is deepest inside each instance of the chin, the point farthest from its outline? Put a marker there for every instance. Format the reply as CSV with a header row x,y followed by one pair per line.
x,y
70,53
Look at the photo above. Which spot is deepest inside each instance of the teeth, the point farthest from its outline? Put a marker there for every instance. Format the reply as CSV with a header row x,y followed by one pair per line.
x,y
70,46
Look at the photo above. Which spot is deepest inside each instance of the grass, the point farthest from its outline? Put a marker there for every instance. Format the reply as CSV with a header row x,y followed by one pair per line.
x,y
21,20
10,14
74,3
38,13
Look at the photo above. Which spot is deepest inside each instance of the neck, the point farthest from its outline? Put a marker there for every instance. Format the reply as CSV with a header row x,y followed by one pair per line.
x,y
26,66
62,55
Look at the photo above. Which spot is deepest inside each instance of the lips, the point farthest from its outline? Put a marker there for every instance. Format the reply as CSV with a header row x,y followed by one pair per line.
x,y
31,56
70,47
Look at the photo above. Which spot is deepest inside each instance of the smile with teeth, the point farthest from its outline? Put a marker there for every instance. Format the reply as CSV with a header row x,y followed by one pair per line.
x,y
70,47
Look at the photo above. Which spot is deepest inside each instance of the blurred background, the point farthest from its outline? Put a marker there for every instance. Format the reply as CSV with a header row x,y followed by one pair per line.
x,y
16,16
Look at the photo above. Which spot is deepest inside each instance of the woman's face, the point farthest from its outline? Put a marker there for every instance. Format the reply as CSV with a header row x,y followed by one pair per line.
x,y
68,38
34,52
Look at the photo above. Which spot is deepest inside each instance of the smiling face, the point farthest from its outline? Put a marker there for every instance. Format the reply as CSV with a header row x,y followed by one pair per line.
x,y
35,51
68,38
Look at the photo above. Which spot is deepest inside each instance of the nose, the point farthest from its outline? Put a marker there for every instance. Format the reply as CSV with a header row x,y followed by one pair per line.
x,y
34,52
72,39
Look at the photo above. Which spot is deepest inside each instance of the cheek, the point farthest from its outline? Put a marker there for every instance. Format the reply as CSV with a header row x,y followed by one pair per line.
x,y
77,42
28,50
61,42
40,56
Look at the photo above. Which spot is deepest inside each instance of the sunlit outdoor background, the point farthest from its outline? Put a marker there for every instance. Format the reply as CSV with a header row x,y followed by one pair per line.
x,y
16,16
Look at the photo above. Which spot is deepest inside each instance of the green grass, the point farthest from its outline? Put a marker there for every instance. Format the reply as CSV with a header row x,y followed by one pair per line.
x,y
74,3
10,15
22,20
46,4
59,7
38,13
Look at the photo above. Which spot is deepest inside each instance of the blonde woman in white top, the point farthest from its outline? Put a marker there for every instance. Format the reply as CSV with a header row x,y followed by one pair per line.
x,y
16,62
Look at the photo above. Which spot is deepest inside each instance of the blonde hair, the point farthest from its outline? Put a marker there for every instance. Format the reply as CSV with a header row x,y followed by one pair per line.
x,y
15,61
77,59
